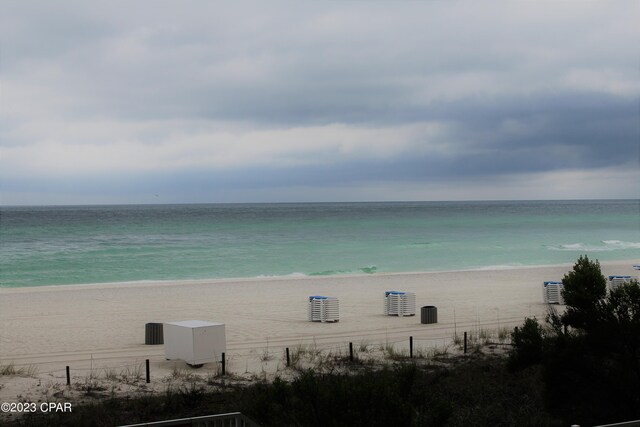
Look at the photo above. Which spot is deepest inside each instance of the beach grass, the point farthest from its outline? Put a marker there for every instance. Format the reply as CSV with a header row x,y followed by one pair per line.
x,y
10,369
402,393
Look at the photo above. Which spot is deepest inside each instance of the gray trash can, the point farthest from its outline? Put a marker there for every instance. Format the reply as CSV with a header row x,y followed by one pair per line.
x,y
153,334
429,314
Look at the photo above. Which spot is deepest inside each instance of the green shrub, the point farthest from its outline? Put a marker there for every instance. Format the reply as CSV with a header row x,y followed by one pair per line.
x,y
527,343
591,366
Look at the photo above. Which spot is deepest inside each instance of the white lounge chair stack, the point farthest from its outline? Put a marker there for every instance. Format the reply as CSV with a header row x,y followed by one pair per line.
x,y
552,292
398,303
615,281
323,309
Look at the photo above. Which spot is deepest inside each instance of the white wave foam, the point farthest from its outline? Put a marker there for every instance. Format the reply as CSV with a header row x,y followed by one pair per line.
x,y
573,246
271,276
622,245
605,246
500,267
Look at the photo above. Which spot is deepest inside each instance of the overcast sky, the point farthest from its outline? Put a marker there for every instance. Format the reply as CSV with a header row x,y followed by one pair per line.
x,y
268,101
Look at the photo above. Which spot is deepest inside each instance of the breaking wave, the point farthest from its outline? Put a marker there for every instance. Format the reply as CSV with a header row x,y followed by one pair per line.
x,y
603,246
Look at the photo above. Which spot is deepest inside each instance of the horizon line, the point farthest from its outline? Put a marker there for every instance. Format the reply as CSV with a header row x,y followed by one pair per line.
x,y
313,202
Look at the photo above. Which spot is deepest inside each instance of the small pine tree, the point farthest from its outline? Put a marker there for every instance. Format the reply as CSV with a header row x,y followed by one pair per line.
x,y
584,289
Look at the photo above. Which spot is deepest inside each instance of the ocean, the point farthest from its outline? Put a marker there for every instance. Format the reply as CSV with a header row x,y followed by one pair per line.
x,y
96,244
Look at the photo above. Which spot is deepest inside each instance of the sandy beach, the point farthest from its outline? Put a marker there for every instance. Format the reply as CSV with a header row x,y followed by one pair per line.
x,y
99,327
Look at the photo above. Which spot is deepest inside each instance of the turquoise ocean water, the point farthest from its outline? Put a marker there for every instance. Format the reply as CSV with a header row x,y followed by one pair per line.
x,y
96,244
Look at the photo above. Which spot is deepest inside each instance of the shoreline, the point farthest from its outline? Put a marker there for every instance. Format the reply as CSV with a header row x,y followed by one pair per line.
x,y
292,276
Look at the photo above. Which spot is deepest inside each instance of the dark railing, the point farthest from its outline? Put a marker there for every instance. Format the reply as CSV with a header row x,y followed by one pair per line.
x,y
635,423
233,419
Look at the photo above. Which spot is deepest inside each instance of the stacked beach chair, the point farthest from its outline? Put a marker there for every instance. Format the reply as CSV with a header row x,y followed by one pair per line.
x,y
615,281
323,309
399,303
552,292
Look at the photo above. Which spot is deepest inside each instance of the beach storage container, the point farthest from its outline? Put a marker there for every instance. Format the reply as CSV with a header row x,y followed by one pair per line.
x,y
323,309
552,292
195,341
615,281
398,303
429,314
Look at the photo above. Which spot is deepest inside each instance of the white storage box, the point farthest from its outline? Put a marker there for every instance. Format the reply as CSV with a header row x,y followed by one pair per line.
x,y
398,303
195,341
552,292
323,309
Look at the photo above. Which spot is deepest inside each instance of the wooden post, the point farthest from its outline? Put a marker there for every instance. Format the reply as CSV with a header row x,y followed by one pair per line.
x,y
351,351
148,372
411,347
224,368
465,343
68,376
288,360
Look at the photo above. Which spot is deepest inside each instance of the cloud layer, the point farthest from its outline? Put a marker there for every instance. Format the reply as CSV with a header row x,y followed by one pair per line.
x,y
213,102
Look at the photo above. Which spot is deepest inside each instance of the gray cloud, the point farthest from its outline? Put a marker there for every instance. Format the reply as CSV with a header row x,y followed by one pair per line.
x,y
197,94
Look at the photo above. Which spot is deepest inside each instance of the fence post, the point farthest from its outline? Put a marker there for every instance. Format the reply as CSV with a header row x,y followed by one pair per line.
x,y
465,343
351,351
68,376
224,368
148,372
288,361
411,347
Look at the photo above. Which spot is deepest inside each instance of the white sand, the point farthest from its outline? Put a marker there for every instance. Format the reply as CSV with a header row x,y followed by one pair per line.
x,y
97,326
